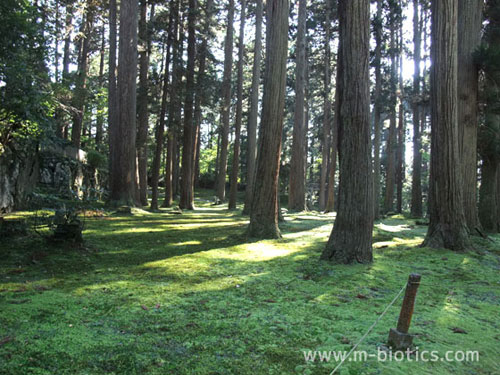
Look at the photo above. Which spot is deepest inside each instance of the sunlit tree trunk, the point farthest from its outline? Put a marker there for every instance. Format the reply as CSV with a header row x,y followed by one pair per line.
x,y
351,237
447,227
264,212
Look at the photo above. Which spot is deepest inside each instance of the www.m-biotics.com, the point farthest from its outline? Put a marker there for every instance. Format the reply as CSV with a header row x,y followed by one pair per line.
x,y
384,355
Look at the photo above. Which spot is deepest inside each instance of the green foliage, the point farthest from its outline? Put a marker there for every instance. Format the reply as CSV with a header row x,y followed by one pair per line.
x,y
96,159
187,294
25,102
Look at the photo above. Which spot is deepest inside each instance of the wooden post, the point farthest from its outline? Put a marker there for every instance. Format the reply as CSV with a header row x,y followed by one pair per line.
x,y
399,337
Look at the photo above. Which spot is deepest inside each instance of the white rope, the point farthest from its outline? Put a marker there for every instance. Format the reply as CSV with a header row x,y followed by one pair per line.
x,y
369,330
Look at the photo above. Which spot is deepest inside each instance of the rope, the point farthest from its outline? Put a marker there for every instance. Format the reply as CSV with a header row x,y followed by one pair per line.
x,y
369,329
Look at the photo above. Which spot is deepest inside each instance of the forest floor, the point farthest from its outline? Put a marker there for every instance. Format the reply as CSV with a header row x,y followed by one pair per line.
x,y
162,293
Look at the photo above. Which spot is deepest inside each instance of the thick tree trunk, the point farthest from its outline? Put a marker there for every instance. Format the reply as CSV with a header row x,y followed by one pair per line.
x,y
254,108
327,109
297,187
123,170
187,189
377,110
400,151
79,95
416,183
264,212
470,19
226,104
160,129
447,227
239,113
142,104
351,237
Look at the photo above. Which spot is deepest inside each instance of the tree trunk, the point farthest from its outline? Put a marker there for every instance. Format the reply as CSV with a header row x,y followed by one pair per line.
x,y
330,201
100,115
264,212
377,109
112,94
201,90
390,173
325,149
160,129
400,152
226,104
297,188
79,95
469,23
447,227
142,104
254,108
351,237
174,110
123,170
416,183
239,110
187,189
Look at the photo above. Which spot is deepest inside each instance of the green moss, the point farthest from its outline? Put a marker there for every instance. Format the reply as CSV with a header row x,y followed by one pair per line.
x,y
162,293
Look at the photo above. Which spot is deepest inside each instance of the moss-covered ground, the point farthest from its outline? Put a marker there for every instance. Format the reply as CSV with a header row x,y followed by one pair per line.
x,y
163,293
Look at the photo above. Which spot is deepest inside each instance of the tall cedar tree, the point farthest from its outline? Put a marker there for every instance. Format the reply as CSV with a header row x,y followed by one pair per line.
x,y
187,189
447,227
297,187
142,104
174,109
239,112
264,212
112,93
79,96
226,104
160,128
351,237
123,168
254,109
470,18
327,109
377,108
416,183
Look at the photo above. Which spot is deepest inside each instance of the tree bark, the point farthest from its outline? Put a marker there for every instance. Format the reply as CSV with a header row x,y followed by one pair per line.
x,y
160,129
226,104
377,110
469,23
488,205
297,187
390,173
142,104
100,115
264,212
330,201
239,113
254,108
416,183
447,227
327,109
187,189
79,95
123,170
112,94
201,88
351,237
